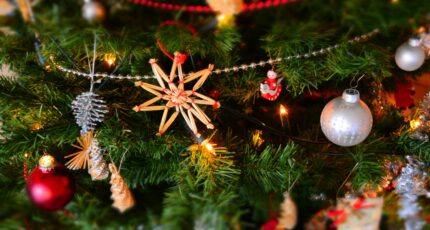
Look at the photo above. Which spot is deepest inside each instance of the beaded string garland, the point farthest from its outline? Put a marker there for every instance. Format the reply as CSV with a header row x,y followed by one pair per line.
x,y
243,67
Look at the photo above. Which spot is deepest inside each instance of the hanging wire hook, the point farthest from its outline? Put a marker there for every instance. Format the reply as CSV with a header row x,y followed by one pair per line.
x,y
110,157
292,185
122,159
358,80
346,179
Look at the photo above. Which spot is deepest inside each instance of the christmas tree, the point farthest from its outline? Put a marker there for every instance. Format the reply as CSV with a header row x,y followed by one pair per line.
x,y
167,114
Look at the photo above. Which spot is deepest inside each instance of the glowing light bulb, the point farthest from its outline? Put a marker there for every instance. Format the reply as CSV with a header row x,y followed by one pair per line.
x,y
257,140
36,127
415,124
221,17
283,111
110,59
225,21
209,147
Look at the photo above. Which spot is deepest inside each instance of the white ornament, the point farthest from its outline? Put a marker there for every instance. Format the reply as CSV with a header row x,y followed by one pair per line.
x,y
346,120
410,56
93,11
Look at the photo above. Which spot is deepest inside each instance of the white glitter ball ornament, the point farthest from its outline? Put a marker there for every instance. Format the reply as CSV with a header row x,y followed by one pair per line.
x,y
410,56
346,120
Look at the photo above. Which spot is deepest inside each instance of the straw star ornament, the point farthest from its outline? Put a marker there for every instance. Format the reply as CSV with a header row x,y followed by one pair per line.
x,y
183,101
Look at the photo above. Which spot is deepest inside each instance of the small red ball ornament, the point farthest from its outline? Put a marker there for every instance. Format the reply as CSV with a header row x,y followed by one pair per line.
x,y
270,224
215,94
49,186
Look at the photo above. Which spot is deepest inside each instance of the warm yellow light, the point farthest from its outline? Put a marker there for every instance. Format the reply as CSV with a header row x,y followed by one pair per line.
x,y
282,110
415,124
395,1
47,67
36,127
221,17
110,59
257,141
225,20
209,147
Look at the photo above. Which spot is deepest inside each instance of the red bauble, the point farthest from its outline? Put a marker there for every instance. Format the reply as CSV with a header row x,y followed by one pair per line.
x,y
270,224
214,94
50,189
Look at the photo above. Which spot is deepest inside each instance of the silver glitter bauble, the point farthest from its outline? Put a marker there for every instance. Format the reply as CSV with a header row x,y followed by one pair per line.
x,y
410,56
346,120
93,11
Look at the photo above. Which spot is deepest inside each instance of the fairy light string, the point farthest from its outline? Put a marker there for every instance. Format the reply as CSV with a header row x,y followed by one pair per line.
x,y
237,68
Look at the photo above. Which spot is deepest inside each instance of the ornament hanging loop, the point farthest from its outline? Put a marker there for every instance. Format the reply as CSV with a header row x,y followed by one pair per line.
x,y
292,184
356,83
346,179
180,25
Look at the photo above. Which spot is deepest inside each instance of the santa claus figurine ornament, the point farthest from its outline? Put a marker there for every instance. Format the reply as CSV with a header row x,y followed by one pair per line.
x,y
271,87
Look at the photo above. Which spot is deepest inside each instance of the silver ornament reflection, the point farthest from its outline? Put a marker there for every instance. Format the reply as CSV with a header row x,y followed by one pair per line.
x,y
346,120
411,184
410,56
93,11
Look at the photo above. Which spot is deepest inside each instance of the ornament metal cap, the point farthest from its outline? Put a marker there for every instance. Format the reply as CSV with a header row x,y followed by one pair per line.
x,y
414,41
46,162
351,95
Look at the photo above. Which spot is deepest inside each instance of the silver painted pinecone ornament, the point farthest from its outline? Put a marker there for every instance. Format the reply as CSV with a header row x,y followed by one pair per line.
x,y
410,56
88,111
346,120
97,166
93,11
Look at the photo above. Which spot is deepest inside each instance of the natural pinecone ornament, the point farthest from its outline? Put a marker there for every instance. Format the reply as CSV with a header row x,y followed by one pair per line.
x,y
121,194
88,110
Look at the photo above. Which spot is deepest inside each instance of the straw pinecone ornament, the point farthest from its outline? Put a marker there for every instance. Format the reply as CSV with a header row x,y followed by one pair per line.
x,y
121,194
288,218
